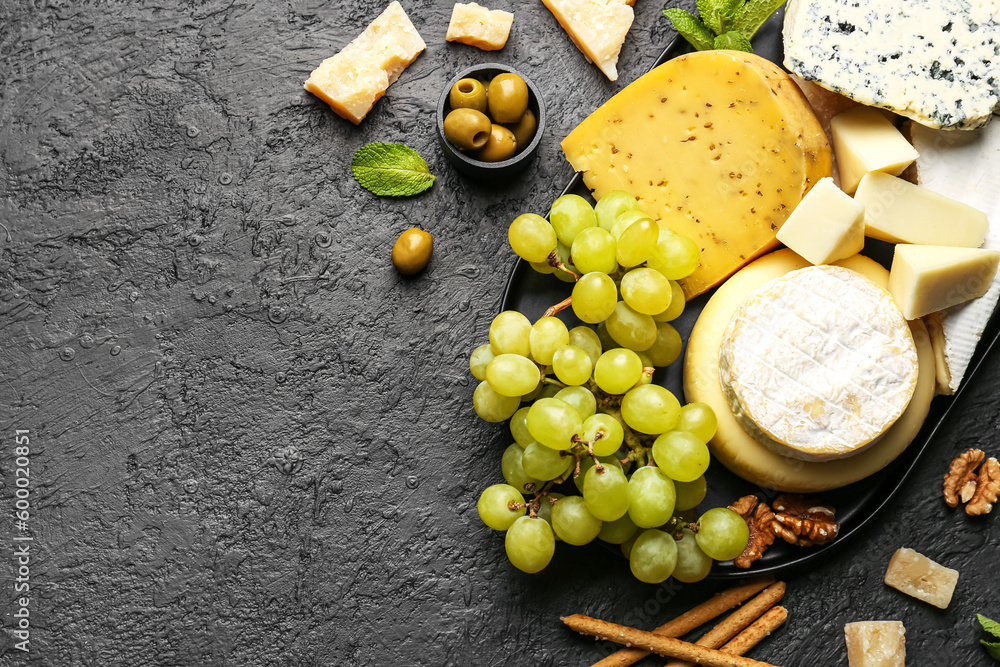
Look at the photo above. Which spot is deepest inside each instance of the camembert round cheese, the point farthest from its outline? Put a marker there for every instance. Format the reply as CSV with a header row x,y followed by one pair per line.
x,y
817,364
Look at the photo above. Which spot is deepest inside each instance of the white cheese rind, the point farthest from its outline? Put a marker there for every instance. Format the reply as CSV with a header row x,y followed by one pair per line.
x,y
818,364
933,61
964,167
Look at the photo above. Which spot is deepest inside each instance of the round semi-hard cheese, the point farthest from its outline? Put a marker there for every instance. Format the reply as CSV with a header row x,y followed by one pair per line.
x,y
738,450
818,363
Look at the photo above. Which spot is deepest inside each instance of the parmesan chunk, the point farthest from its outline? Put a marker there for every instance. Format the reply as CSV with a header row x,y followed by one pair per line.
x,y
352,81
478,26
876,644
597,27
920,577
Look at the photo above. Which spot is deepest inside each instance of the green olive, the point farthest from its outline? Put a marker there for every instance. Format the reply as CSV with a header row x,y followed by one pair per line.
x,y
524,129
500,146
468,94
467,128
412,250
508,98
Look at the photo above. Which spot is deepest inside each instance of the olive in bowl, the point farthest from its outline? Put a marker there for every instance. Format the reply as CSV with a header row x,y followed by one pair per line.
x,y
511,144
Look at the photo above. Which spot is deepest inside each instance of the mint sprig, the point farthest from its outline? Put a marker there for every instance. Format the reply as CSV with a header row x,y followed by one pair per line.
x,y
723,24
992,628
391,170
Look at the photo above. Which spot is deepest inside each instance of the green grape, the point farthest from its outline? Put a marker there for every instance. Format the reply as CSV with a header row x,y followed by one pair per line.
x,y
530,544
653,556
681,455
611,205
480,357
636,241
545,509
544,268
646,291
510,333
676,306
650,409
586,463
563,253
571,214
549,391
547,335
699,420
544,462
692,563
674,255
519,428
580,398
512,374
667,347
572,365
587,340
554,423
617,370
627,544
494,506
607,342
606,493
491,406
619,531
651,497
594,249
722,533
531,237
631,329
594,297
689,494
573,522
624,220
513,469
610,427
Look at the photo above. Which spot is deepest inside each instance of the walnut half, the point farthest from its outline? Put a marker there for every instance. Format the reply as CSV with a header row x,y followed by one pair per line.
x,y
759,519
978,490
801,522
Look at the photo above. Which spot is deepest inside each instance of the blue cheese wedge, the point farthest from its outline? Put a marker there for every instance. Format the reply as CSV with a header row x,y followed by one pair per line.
x,y
963,166
937,62
818,364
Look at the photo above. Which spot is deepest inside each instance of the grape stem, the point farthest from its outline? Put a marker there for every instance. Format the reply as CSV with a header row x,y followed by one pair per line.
x,y
554,261
676,527
559,307
547,380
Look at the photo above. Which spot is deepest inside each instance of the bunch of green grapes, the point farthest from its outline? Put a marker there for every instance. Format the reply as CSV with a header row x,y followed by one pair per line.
x,y
582,406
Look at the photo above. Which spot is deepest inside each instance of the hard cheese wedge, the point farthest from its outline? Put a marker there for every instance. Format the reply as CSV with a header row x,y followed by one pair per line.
x,y
597,27
900,212
875,644
925,279
826,226
963,166
865,141
919,576
352,81
717,145
478,26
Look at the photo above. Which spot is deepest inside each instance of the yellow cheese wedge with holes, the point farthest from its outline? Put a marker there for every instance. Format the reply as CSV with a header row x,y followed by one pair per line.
x,y
740,452
717,145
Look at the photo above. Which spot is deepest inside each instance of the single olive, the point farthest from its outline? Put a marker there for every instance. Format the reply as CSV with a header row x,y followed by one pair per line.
x,y
467,128
500,146
508,99
468,94
412,250
524,129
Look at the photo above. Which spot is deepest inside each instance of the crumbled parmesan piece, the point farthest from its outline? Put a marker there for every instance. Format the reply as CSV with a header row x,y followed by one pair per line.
x,y
478,26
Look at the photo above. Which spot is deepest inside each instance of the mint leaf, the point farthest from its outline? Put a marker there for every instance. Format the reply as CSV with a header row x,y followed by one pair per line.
x,y
991,627
734,41
691,28
992,648
709,12
391,170
754,14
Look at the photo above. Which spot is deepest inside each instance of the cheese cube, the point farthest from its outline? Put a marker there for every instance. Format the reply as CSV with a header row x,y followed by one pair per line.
x,y
826,226
900,212
597,27
876,644
863,141
357,77
925,278
478,26
920,577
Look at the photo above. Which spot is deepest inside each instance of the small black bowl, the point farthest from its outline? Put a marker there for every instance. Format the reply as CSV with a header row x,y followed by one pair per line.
x,y
491,170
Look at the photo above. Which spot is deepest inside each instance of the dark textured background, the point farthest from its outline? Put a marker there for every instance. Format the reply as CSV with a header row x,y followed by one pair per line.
x,y
253,441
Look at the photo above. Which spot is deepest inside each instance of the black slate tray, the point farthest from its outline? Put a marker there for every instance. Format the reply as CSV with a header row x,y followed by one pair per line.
x,y
857,504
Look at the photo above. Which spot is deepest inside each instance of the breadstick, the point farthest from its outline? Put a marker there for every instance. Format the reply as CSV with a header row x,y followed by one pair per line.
x,y
757,631
667,646
738,620
688,621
